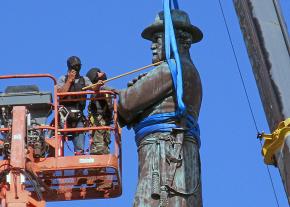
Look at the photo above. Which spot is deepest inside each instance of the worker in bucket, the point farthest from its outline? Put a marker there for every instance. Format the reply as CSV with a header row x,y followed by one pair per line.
x,y
100,114
74,82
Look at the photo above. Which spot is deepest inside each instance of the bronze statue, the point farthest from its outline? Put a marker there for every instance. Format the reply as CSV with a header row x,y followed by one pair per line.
x,y
169,163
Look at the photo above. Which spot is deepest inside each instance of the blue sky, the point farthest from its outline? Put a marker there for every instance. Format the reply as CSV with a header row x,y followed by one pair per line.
x,y
38,36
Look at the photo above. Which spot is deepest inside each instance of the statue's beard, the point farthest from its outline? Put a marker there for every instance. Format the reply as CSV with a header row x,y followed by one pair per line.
x,y
155,59
157,56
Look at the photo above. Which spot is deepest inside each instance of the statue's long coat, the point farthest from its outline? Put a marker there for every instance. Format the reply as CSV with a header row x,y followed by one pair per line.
x,y
154,94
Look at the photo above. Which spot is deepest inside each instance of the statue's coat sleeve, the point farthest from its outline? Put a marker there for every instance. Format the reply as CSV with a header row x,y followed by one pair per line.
x,y
146,92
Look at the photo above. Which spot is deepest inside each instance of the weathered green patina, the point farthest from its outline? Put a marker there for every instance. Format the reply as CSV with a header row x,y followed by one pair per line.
x,y
169,162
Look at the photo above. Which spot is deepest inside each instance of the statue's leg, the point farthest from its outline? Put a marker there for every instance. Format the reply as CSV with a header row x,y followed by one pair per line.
x,y
147,156
186,188
187,179
193,170
184,201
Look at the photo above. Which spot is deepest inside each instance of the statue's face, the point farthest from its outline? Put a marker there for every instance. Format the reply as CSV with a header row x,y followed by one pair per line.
x,y
184,41
157,47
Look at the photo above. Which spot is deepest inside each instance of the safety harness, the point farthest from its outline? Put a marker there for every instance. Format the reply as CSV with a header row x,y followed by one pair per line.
x,y
76,87
74,109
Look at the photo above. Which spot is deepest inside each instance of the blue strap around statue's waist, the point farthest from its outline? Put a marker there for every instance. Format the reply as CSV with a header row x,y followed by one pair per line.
x,y
164,123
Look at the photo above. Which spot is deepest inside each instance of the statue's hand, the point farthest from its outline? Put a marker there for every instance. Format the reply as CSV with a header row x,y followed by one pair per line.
x,y
142,75
132,82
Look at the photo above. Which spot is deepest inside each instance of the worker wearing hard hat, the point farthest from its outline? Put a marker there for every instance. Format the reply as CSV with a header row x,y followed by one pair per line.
x,y
100,114
74,82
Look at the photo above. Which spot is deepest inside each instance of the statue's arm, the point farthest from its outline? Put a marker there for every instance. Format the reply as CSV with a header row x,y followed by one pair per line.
x,y
145,92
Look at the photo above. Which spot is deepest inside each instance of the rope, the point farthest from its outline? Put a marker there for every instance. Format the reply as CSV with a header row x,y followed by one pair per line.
x,y
246,93
124,74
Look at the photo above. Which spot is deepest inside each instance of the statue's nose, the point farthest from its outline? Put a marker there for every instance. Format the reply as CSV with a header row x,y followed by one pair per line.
x,y
153,46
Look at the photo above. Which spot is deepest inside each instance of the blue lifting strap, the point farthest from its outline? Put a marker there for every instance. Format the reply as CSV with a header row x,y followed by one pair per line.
x,y
165,122
175,67
175,4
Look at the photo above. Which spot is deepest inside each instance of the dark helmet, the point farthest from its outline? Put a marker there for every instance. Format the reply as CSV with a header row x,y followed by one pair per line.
x,y
92,74
74,62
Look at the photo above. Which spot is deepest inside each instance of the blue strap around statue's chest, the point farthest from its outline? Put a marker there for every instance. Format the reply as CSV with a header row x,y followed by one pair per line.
x,y
164,122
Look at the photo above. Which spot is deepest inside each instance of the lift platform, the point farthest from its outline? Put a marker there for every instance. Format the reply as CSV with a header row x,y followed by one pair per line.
x,y
35,169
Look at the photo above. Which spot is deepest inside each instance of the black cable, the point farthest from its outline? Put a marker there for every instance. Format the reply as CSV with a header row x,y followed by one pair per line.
x,y
39,181
31,177
3,174
271,180
239,69
68,146
246,92
34,184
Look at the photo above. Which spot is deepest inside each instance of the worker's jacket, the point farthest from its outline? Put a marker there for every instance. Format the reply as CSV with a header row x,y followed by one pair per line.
x,y
76,87
102,107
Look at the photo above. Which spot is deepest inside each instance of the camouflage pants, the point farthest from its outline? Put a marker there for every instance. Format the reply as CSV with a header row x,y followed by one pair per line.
x,y
100,138
155,159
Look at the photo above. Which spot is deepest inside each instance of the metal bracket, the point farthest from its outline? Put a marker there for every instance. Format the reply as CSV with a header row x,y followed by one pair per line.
x,y
64,113
274,141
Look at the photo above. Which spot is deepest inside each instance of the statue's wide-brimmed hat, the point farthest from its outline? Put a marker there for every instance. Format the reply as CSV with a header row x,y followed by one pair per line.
x,y
180,20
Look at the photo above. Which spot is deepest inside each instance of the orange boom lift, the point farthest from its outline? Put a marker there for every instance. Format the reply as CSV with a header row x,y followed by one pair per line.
x,y
34,169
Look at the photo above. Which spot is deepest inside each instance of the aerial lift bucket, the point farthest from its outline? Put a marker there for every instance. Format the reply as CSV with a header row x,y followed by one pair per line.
x,y
29,180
